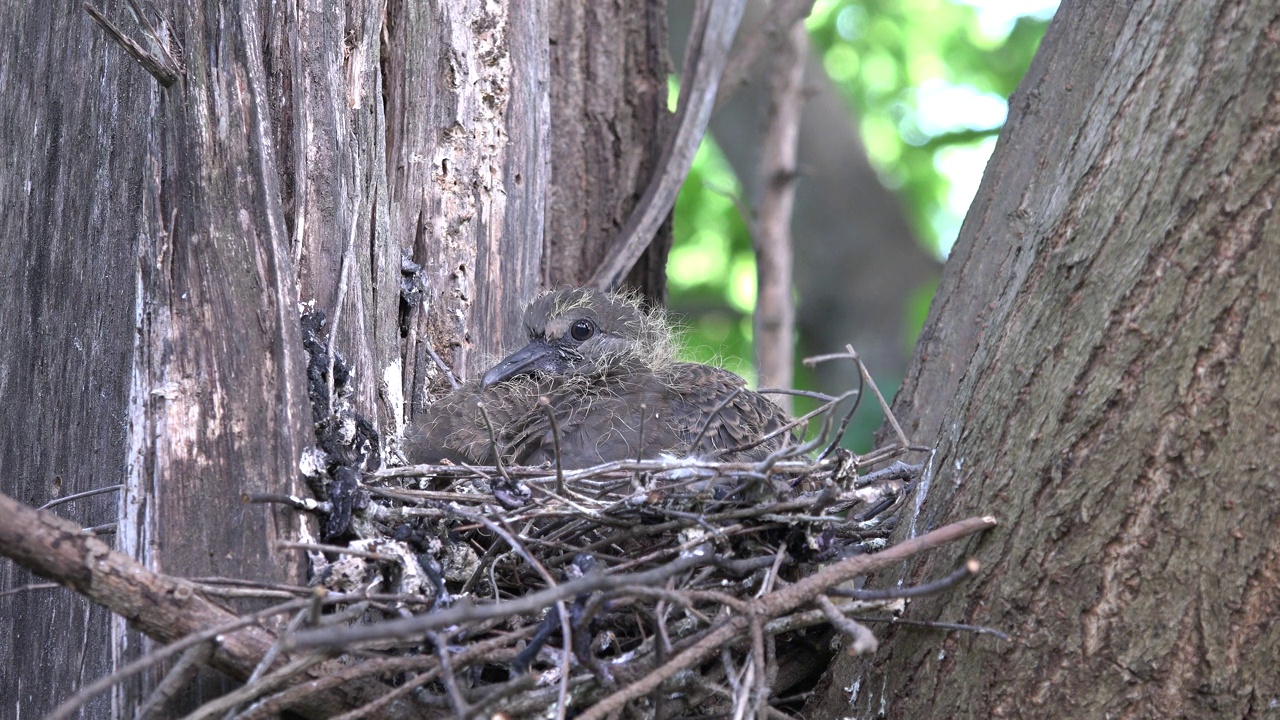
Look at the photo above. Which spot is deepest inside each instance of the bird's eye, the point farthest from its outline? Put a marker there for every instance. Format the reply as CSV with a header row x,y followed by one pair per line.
x,y
582,329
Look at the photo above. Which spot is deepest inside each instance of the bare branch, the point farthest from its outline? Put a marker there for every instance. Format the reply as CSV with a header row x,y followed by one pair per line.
x,y
715,23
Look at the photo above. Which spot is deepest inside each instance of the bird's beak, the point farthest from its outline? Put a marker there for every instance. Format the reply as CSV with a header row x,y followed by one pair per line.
x,y
537,356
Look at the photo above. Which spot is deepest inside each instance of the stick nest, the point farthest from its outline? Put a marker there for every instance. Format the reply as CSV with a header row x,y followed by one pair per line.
x,y
664,588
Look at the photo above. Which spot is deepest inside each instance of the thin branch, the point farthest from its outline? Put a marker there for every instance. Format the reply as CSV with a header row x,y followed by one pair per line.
x,y
715,22
774,317
178,678
79,495
167,609
544,404
979,629
763,40
864,642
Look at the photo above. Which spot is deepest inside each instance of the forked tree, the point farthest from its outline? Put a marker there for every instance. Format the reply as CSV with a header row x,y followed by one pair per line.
x,y
1094,372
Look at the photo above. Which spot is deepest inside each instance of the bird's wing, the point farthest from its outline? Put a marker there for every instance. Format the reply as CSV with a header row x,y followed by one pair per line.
x,y
717,413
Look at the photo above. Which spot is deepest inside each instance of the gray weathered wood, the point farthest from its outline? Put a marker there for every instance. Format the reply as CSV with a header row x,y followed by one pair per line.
x,y
467,125
70,183
162,241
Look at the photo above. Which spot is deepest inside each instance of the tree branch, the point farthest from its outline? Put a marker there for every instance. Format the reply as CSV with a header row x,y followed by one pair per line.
x,y
165,608
714,25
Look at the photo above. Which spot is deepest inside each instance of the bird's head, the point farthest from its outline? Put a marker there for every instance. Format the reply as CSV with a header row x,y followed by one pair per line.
x,y
577,331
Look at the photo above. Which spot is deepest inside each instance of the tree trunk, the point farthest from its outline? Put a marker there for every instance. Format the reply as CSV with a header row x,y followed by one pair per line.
x,y
163,237
1096,371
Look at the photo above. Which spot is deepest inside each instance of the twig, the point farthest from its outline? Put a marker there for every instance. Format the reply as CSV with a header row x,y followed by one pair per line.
x,y
249,691
780,602
844,423
320,547
764,39
493,443
969,569
774,317
544,404
448,372
979,629
79,495
715,22
864,642
71,705
456,701
470,612
178,678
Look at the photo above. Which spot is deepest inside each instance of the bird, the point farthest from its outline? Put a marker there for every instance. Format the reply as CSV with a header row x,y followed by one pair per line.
x,y
598,382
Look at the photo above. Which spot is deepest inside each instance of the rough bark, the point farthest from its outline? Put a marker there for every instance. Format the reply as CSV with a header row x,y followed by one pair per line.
x,y
1096,371
467,125
609,109
64,333
158,289
165,236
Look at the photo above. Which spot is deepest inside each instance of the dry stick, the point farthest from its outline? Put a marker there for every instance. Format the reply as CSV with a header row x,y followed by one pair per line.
x,y
493,443
270,707
759,690
968,570
864,642
644,410
529,558
888,413
30,588
765,39
178,678
456,701
936,625
448,372
310,615
715,22
77,496
774,319
712,688
71,705
281,677
857,393
293,501
544,404
784,601
809,618
348,257
167,609
153,34
502,692
866,377
399,691
321,547
795,422
470,612
844,423
811,394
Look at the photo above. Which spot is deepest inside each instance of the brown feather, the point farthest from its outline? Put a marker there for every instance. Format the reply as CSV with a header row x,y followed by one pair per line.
x,y
598,391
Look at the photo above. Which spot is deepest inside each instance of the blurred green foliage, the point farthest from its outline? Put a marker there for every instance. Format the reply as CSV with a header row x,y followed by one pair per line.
x,y
927,81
